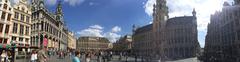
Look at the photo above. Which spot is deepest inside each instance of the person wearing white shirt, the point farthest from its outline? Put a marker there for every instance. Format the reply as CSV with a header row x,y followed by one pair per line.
x,y
34,56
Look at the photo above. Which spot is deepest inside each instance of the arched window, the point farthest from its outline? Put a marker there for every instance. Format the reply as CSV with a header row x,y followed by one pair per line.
x,y
23,9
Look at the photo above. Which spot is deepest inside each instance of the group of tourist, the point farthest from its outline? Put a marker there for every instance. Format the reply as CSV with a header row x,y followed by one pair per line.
x,y
87,56
5,56
41,55
38,56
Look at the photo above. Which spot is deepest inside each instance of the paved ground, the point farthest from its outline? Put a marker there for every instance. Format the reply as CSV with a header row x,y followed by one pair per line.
x,y
186,60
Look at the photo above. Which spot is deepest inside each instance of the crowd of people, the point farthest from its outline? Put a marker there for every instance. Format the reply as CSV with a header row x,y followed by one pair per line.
x,y
43,55
101,56
5,56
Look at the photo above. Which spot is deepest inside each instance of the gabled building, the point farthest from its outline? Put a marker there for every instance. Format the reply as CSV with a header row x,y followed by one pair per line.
x,y
71,41
48,28
21,26
6,15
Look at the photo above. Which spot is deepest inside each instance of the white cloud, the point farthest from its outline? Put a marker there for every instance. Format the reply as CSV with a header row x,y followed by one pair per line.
x,y
96,27
74,2
149,7
204,9
97,31
150,22
94,31
116,29
112,37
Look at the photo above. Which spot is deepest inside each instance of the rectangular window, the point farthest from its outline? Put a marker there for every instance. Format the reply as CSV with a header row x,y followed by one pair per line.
x,y
15,28
26,40
14,38
27,19
22,17
7,29
9,17
1,39
21,29
16,15
20,39
27,30
3,15
1,27
5,41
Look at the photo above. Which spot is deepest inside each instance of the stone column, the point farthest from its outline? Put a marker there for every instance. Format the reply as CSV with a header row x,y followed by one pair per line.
x,y
44,26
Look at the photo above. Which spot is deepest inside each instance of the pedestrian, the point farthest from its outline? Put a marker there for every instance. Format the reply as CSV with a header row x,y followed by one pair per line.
x,y
42,57
88,57
120,58
99,56
111,54
4,56
34,56
76,58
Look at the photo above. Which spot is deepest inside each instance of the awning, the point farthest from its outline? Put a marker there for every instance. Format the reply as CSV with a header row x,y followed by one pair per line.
x,y
5,46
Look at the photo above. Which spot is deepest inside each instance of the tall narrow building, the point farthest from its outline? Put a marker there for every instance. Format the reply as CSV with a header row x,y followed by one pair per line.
x,y
6,14
223,35
21,26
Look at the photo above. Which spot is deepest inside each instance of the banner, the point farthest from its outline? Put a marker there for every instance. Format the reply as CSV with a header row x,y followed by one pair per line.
x,y
45,42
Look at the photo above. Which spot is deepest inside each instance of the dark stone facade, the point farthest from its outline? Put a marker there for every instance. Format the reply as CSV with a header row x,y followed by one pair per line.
x,y
167,39
180,38
223,35
142,41
175,38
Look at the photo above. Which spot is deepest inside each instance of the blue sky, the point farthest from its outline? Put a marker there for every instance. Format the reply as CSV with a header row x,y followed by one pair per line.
x,y
104,18
114,18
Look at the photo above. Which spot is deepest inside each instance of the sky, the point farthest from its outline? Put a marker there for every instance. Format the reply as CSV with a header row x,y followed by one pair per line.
x,y
114,18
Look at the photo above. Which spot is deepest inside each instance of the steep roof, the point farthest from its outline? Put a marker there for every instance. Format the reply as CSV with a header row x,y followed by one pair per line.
x,y
180,20
144,29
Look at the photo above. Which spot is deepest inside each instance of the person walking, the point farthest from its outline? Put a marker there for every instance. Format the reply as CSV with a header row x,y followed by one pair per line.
x,y
88,57
42,57
34,56
76,58
4,57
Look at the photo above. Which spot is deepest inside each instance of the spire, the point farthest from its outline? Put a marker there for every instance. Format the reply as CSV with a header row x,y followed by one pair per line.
x,y
154,10
59,12
133,28
161,9
194,12
41,4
